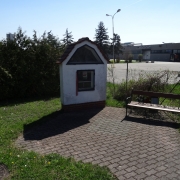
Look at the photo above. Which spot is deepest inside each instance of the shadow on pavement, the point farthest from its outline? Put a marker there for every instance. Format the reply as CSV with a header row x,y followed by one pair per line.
x,y
57,123
152,122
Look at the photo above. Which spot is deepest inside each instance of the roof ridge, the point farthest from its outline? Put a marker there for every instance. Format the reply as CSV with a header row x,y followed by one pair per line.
x,y
71,46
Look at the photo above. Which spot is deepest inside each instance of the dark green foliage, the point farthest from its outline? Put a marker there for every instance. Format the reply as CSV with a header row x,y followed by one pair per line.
x,y
130,58
145,81
140,57
110,100
101,37
27,66
117,46
68,39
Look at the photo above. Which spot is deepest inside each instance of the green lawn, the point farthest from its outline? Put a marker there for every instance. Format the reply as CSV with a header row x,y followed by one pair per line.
x,y
122,61
110,101
23,164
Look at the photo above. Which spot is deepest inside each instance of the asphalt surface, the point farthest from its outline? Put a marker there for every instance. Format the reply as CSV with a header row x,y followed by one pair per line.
x,y
136,68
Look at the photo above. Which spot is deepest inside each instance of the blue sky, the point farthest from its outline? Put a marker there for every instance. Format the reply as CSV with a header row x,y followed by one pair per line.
x,y
139,21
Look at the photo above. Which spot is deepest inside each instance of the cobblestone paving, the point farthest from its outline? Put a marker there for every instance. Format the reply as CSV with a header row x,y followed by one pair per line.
x,y
135,148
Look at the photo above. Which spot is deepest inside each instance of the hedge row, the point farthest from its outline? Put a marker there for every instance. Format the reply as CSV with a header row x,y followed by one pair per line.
x,y
27,66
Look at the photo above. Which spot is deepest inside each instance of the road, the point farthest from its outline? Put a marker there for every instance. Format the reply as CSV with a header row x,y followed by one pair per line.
x,y
136,68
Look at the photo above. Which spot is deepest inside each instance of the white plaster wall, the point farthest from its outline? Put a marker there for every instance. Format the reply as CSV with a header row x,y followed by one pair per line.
x,y
68,81
61,82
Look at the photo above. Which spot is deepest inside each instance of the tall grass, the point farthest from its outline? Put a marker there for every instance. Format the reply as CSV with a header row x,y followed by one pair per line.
x,y
147,81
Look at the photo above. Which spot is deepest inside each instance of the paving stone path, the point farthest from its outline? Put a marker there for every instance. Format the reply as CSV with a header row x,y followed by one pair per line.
x,y
135,148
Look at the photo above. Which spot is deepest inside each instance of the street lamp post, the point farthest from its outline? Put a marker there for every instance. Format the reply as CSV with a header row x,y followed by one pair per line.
x,y
113,29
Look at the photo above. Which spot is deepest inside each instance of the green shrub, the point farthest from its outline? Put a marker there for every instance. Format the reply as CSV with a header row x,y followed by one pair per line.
x,y
130,57
140,57
146,81
28,66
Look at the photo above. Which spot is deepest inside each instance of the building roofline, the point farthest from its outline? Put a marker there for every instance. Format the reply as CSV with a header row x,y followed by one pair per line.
x,y
71,47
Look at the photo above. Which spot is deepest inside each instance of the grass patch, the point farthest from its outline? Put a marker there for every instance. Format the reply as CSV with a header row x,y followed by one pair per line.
x,y
174,88
23,164
110,101
122,61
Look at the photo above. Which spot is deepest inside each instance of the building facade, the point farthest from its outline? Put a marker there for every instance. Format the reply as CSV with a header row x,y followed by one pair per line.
x,y
156,52
83,76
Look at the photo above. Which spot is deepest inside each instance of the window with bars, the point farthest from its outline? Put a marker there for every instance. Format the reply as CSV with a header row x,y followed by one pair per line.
x,y
85,80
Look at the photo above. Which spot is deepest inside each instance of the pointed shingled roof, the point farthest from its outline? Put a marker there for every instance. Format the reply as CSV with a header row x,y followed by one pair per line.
x,y
71,47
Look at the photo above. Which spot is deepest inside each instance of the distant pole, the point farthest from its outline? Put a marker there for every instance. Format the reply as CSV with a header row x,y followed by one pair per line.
x,y
113,31
126,86
127,76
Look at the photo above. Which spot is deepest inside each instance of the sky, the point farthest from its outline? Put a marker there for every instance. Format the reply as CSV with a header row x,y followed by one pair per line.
x,y
139,21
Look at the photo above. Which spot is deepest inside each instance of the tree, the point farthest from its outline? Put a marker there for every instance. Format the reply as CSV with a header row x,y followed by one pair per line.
x,y
27,66
68,39
128,56
140,57
101,37
117,46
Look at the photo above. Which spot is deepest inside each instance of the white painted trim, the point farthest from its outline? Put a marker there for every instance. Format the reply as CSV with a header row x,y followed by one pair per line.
x,y
82,44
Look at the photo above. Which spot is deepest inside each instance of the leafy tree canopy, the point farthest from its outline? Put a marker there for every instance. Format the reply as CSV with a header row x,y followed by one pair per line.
x,y
68,38
117,45
27,66
102,38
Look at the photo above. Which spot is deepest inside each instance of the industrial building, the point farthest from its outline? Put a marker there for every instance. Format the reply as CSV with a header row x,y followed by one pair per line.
x,y
155,52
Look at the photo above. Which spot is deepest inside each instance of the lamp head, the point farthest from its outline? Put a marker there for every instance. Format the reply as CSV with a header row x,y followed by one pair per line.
x,y
107,14
118,10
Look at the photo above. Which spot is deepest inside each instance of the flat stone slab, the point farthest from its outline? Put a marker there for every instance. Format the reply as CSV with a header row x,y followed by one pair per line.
x,y
134,148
